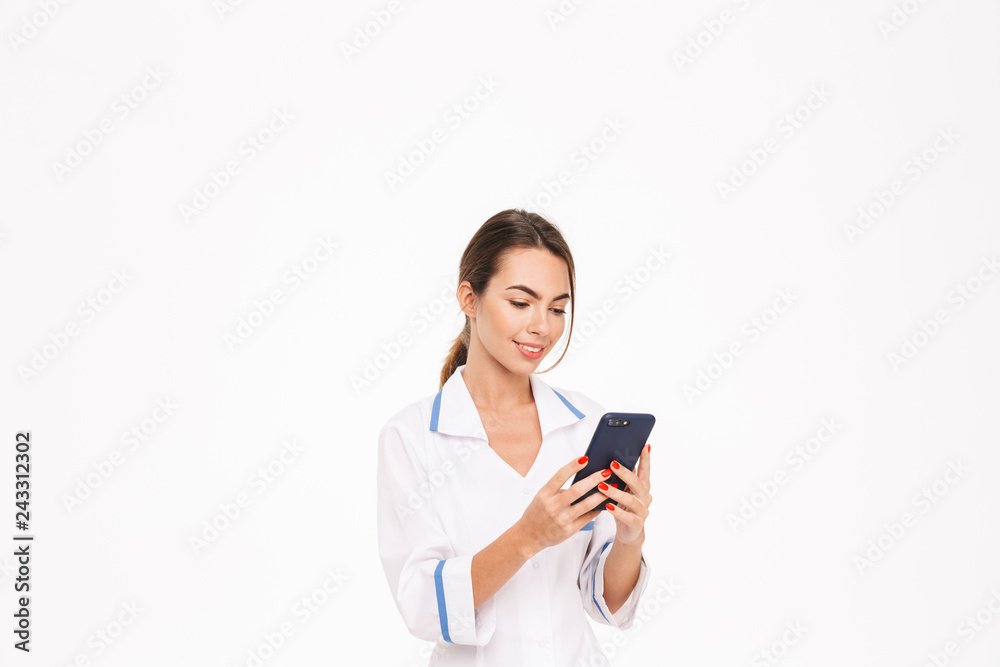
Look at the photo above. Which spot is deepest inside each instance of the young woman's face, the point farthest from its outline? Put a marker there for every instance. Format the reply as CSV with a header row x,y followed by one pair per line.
x,y
524,305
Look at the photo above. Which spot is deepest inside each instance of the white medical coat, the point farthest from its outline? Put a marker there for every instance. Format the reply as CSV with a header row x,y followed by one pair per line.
x,y
444,495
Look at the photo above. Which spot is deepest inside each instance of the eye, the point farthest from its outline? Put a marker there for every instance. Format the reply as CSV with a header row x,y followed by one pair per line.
x,y
520,304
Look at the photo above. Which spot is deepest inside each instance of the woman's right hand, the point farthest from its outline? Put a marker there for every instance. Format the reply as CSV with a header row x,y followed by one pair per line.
x,y
550,518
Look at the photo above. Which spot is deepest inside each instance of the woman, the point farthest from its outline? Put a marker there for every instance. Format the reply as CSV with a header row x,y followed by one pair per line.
x,y
482,548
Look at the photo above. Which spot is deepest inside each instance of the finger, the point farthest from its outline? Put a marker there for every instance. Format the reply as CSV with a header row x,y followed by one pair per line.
x,y
588,516
643,471
623,516
596,499
626,475
586,484
563,474
587,499
630,501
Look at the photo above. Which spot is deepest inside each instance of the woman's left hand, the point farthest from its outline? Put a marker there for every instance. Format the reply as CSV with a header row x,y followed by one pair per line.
x,y
633,501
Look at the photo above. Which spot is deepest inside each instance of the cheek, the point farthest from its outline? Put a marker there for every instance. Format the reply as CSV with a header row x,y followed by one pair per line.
x,y
518,320
506,323
559,326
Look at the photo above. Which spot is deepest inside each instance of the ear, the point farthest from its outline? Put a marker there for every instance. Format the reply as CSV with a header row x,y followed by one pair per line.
x,y
467,299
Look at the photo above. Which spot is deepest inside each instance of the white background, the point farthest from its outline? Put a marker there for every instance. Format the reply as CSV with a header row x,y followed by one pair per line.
x,y
683,128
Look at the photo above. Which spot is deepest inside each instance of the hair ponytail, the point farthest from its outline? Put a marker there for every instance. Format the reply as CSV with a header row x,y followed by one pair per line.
x,y
459,353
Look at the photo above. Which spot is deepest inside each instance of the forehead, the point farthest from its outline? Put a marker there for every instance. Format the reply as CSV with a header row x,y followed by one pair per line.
x,y
539,269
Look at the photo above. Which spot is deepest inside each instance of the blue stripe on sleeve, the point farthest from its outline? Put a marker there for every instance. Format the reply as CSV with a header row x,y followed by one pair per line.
x,y
442,609
594,588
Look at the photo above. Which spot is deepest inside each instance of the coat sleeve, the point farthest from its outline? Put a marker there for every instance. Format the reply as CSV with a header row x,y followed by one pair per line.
x,y
431,584
591,580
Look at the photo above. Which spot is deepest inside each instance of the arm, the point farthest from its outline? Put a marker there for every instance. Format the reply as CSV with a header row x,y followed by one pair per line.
x,y
616,605
621,573
549,519
497,563
430,583
624,564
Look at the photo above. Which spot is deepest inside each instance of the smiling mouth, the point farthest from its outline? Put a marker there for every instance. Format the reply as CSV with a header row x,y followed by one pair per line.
x,y
533,350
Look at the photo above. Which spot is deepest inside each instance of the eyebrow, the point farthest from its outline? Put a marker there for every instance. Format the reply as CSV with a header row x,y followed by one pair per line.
x,y
525,288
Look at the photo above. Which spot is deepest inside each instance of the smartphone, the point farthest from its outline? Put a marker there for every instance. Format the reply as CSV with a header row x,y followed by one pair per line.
x,y
619,436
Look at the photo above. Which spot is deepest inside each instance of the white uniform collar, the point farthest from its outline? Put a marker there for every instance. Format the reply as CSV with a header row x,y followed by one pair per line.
x,y
455,413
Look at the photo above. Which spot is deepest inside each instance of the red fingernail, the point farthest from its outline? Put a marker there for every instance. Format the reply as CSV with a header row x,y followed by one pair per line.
x,y
583,459
602,486
606,473
610,506
614,484
649,449
614,464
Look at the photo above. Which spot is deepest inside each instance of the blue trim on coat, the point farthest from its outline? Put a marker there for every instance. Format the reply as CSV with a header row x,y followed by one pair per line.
x,y
569,405
436,410
589,526
442,608
594,587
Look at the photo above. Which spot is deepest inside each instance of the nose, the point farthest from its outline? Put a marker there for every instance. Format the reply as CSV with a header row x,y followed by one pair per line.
x,y
539,324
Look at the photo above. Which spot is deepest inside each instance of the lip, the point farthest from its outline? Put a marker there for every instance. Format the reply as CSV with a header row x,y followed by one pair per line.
x,y
530,355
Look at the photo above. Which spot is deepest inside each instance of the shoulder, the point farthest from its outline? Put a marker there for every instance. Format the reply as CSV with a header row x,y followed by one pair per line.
x,y
412,419
402,440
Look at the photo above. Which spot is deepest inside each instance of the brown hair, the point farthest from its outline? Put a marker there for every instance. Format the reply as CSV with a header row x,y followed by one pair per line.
x,y
513,228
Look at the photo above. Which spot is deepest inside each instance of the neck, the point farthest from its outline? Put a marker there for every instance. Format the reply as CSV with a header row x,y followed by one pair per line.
x,y
492,386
